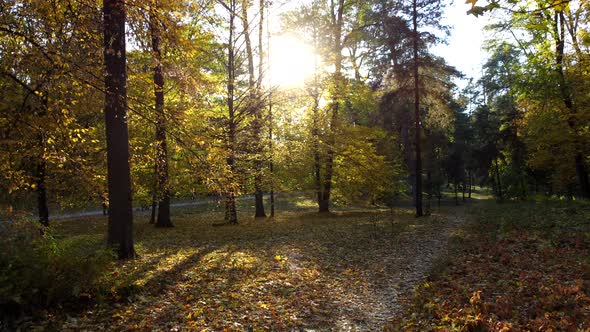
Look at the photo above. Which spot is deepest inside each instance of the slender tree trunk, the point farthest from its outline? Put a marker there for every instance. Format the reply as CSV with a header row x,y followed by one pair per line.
x,y
463,191
337,23
429,188
581,168
231,215
470,182
316,153
42,208
315,131
270,120
271,163
118,175
456,194
161,143
254,105
498,181
260,213
418,164
154,210
41,170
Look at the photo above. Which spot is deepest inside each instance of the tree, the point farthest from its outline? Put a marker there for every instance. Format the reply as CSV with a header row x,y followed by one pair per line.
x,y
231,215
255,103
417,128
161,144
542,30
399,34
120,230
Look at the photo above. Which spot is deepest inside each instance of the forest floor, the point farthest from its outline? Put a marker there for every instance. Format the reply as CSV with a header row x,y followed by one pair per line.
x,y
517,266
347,271
477,267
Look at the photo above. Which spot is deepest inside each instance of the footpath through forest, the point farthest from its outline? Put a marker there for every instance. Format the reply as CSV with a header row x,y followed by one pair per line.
x,y
419,248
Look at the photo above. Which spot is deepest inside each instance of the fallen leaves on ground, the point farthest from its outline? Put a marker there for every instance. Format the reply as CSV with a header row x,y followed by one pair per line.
x,y
522,267
299,271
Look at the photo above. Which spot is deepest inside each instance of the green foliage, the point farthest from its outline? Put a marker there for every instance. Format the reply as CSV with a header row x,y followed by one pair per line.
x,y
39,270
362,174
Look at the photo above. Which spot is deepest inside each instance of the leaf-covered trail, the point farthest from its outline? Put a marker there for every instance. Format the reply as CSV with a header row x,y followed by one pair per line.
x,y
347,271
395,275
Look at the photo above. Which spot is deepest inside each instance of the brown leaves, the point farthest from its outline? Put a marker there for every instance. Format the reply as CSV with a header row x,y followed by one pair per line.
x,y
524,280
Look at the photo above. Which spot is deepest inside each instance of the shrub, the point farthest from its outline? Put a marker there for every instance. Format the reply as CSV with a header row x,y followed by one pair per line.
x,y
38,270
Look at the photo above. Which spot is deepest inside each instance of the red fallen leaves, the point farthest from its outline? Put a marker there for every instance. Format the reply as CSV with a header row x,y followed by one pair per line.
x,y
526,281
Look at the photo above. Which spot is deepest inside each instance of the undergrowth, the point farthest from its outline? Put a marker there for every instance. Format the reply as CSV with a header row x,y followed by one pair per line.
x,y
37,270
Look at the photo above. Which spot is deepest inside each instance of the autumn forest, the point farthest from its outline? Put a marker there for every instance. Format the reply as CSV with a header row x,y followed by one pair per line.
x,y
313,165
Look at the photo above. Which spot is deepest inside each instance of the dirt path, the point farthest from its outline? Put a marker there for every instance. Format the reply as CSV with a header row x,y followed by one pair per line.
x,y
419,248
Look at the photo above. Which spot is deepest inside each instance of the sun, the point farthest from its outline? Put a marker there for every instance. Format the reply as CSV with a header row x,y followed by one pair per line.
x,y
291,61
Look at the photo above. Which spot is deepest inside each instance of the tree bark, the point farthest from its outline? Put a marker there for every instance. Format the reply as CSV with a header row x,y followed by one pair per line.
x,y
316,152
154,210
429,188
418,165
470,182
337,23
231,215
120,224
42,207
270,119
271,165
498,181
41,170
254,104
163,220
566,94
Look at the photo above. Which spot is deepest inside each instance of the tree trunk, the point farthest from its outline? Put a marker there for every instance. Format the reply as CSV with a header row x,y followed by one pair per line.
x,y
120,224
470,182
42,208
271,165
231,215
581,168
163,220
254,105
337,23
41,170
316,153
154,210
429,188
498,181
417,128
463,191
315,131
